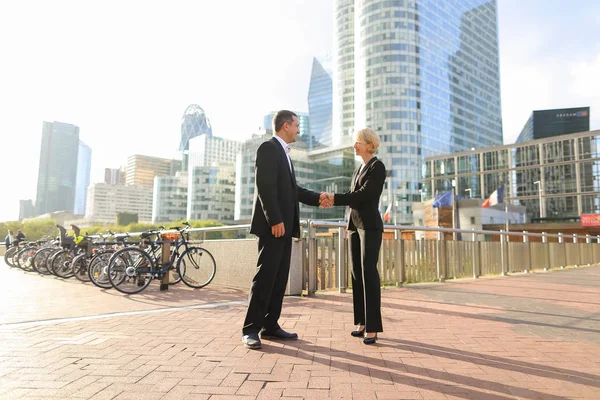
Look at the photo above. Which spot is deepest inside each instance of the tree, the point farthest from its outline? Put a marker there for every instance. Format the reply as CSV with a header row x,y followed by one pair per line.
x,y
126,218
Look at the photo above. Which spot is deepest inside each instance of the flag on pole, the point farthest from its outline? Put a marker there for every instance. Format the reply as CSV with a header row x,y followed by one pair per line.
x,y
444,200
495,198
388,213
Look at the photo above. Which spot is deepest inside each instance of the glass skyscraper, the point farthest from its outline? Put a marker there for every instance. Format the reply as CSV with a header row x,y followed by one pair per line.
x,y
84,167
548,123
320,103
58,168
193,123
424,75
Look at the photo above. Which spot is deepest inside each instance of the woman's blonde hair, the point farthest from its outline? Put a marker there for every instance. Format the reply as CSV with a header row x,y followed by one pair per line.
x,y
368,136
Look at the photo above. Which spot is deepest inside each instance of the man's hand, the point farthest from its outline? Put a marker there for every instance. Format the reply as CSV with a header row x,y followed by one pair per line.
x,y
278,230
326,200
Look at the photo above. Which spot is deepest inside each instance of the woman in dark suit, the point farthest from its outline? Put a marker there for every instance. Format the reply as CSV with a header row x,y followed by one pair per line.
x,y
366,229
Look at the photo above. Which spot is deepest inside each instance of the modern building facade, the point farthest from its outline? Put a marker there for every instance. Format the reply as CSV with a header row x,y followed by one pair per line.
x,y
193,123
322,170
554,178
114,176
549,123
211,192
320,103
26,209
58,168
424,75
82,181
141,170
105,201
205,150
170,198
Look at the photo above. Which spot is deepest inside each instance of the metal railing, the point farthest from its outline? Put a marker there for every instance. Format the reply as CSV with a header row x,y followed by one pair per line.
x,y
409,260
326,263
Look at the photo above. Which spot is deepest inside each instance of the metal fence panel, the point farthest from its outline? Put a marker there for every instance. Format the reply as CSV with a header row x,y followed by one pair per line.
x,y
540,257
572,254
491,258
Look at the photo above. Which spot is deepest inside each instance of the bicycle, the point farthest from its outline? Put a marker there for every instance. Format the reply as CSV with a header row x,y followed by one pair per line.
x,y
132,269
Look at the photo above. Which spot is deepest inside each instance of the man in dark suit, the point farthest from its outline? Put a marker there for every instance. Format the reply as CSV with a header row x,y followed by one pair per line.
x,y
275,220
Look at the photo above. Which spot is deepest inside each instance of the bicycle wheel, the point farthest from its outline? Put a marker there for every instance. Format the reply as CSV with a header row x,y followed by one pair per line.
x,y
8,256
25,258
79,267
40,260
130,270
61,264
98,269
197,267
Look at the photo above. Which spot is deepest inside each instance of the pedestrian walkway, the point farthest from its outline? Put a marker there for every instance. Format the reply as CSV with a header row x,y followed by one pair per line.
x,y
530,336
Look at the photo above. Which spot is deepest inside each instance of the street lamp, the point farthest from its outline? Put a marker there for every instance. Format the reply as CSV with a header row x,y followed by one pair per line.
x,y
470,192
539,195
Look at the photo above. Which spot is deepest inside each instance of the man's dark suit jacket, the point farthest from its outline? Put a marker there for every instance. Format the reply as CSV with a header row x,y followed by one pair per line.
x,y
276,192
363,197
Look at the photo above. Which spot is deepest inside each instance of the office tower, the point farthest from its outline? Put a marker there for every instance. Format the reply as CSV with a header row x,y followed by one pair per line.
x,y
207,150
554,177
320,103
548,123
170,198
114,176
58,168
193,123
211,178
104,201
424,75
26,209
141,170
82,181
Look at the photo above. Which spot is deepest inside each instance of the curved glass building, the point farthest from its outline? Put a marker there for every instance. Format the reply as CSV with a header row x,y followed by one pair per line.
x,y
425,77
193,123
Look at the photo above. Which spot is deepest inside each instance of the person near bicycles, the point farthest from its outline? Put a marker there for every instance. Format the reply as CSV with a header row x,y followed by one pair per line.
x,y
9,239
19,238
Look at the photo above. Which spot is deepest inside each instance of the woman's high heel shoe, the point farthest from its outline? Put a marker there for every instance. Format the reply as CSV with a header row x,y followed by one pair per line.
x,y
358,333
370,340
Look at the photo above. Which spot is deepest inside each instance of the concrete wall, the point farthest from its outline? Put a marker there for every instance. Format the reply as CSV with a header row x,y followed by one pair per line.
x,y
236,263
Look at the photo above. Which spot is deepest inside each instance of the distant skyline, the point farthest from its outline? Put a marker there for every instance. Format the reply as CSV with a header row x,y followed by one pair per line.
x,y
124,72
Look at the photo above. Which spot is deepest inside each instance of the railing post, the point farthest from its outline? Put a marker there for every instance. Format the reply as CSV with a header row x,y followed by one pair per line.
x,y
526,240
312,259
588,241
575,241
438,262
561,241
341,256
400,259
502,255
474,252
547,250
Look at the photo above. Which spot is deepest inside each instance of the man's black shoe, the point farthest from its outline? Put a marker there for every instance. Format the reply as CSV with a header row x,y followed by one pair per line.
x,y
251,341
279,334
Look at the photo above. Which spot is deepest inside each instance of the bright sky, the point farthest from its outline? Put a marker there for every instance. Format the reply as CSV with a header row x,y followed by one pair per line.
x,y
124,71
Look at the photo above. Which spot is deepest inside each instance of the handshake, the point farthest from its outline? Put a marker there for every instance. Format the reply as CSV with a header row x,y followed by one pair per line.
x,y
326,200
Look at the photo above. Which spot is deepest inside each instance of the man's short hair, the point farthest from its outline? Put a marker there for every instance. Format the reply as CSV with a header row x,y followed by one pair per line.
x,y
282,117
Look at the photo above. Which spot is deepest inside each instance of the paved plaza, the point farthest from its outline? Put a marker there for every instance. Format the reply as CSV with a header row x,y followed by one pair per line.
x,y
529,336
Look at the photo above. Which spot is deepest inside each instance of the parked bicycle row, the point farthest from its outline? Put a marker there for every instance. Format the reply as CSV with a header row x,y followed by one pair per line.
x,y
116,260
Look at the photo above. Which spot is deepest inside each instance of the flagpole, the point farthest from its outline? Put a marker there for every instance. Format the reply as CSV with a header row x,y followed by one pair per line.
x,y
506,211
453,208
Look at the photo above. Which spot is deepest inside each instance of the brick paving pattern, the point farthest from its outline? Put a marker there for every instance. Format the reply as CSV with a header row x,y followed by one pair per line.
x,y
530,336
